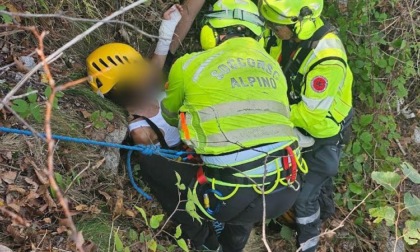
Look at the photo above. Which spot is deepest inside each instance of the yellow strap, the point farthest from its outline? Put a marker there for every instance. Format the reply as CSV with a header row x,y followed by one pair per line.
x,y
213,186
303,166
199,205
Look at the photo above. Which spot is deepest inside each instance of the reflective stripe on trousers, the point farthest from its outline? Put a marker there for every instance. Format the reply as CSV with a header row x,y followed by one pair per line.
x,y
309,243
308,219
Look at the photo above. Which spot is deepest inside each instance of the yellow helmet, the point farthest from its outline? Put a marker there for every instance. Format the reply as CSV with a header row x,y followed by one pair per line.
x,y
114,63
230,13
302,14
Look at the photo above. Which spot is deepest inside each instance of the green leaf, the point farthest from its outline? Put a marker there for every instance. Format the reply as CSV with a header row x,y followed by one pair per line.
x,y
59,94
389,180
178,232
133,235
356,148
99,125
192,210
156,220
366,119
32,97
36,112
6,18
412,232
143,214
59,179
118,243
182,244
109,116
20,106
383,213
95,116
410,172
103,114
286,233
366,137
152,245
127,249
47,92
182,187
178,182
355,188
142,238
412,203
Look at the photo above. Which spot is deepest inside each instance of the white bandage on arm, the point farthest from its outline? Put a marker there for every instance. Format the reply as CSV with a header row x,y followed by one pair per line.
x,y
166,32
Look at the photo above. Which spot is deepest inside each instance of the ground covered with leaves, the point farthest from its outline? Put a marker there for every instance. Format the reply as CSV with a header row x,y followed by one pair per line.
x,y
383,52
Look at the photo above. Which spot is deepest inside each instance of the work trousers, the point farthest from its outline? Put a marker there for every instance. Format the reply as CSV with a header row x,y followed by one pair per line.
x,y
239,213
323,160
159,174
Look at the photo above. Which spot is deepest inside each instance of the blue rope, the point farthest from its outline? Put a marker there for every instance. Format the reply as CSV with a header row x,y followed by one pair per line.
x,y
131,177
147,150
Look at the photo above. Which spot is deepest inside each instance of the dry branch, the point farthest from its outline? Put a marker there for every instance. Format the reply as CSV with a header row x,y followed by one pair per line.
x,y
66,46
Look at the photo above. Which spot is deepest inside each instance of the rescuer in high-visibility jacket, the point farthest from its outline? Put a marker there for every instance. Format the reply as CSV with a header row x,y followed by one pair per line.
x,y
231,106
320,93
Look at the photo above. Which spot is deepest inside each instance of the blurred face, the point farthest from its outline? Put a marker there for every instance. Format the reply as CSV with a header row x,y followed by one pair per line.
x,y
283,32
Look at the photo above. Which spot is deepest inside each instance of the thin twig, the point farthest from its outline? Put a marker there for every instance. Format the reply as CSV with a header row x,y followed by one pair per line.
x,y
15,217
6,67
66,46
264,235
88,20
24,95
170,216
76,177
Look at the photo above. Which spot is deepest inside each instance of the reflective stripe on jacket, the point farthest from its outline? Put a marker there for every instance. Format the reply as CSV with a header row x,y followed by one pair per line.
x,y
233,96
326,94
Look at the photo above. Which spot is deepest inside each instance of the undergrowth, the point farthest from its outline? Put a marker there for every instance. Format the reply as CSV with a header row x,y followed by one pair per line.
x,y
381,38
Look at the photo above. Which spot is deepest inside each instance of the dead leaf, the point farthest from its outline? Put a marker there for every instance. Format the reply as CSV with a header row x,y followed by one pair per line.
x,y
20,66
47,220
33,183
49,200
15,207
119,204
12,8
32,195
9,177
42,177
14,232
130,213
93,209
43,78
85,114
90,247
82,208
15,188
61,229
106,195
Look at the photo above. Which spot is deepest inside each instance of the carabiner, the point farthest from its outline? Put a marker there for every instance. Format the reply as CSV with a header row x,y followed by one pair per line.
x,y
295,188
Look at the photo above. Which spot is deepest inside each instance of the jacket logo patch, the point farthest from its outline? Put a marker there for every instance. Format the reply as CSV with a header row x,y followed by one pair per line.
x,y
319,84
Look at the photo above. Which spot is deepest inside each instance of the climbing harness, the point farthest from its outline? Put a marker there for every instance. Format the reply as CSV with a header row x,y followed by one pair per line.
x,y
287,162
147,150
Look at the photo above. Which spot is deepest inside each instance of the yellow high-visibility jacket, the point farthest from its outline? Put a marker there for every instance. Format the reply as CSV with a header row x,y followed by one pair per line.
x,y
326,93
228,98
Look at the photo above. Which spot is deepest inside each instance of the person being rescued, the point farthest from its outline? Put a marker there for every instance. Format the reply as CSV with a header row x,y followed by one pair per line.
x,y
122,75
231,106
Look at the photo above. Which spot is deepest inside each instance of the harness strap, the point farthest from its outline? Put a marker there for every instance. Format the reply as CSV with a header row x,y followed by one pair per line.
x,y
293,64
155,129
227,175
